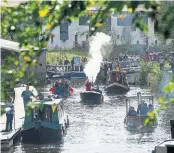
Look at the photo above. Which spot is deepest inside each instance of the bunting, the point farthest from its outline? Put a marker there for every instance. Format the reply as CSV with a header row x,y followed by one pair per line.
x,y
41,106
53,107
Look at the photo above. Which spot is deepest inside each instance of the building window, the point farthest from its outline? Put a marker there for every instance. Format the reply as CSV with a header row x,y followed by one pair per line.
x,y
76,39
156,42
84,20
52,39
87,37
64,30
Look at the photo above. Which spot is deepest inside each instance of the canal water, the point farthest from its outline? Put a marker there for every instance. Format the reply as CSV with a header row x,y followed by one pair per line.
x,y
100,129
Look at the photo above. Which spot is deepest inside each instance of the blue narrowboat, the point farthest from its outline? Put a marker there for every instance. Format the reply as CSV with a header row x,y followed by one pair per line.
x,y
47,122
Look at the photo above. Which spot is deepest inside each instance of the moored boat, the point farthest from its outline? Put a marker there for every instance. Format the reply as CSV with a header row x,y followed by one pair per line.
x,y
137,120
117,83
45,123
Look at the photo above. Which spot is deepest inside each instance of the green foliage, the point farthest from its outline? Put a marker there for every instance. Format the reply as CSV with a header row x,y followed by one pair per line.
x,y
150,74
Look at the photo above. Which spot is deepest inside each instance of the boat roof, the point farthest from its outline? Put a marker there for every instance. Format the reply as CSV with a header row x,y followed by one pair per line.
x,y
54,101
169,142
61,76
114,71
145,96
90,92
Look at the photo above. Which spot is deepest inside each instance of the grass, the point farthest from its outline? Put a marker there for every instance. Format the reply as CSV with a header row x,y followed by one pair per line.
x,y
53,57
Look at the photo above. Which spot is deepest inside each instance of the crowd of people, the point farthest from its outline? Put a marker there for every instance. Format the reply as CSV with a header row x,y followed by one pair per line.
x,y
61,88
143,109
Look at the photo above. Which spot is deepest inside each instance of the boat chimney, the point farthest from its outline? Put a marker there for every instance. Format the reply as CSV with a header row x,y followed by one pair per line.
x,y
139,97
172,128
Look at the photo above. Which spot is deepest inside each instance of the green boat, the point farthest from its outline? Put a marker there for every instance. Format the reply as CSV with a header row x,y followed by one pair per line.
x,y
47,122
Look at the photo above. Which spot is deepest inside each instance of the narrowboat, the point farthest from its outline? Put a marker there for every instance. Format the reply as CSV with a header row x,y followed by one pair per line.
x,y
117,83
137,109
93,96
47,122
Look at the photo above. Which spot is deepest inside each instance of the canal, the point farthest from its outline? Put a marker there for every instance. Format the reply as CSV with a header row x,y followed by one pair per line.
x,y
100,129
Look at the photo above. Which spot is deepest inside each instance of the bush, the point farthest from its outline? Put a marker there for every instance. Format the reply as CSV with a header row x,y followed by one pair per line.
x,y
150,74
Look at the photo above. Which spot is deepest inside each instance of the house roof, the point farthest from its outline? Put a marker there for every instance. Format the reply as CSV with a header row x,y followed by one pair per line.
x,y
13,46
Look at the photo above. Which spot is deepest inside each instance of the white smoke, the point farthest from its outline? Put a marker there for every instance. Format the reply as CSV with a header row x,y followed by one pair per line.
x,y
92,68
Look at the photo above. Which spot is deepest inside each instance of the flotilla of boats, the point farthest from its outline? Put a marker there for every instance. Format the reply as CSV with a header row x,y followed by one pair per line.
x,y
48,120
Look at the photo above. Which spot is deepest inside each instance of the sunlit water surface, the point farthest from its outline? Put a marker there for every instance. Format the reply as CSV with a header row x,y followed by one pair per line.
x,y
100,129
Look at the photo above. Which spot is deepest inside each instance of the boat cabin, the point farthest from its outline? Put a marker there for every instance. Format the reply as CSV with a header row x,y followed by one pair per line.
x,y
117,76
137,109
49,112
134,101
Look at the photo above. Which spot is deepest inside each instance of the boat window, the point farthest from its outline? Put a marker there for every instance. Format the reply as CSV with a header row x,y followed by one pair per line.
x,y
35,113
77,68
47,113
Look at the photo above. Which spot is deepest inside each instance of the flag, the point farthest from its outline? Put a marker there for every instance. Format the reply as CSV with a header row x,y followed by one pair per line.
x,y
53,107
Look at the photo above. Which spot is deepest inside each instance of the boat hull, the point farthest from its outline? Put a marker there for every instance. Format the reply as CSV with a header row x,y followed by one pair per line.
x,y
91,97
42,135
138,123
116,88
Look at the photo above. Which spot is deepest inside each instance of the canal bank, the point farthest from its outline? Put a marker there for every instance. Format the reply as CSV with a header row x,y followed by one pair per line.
x,y
100,129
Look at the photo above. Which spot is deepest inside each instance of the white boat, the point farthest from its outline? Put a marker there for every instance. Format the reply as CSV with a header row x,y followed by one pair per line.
x,y
165,147
137,121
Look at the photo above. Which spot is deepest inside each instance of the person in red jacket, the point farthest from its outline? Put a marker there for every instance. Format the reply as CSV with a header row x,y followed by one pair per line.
x,y
52,90
88,85
147,56
71,90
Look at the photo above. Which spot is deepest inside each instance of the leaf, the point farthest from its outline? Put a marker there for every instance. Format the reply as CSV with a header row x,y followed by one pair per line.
x,y
167,88
27,58
161,99
43,12
130,10
48,26
146,122
99,24
92,2
171,100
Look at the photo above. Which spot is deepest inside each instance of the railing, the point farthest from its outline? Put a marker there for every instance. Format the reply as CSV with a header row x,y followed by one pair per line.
x,y
65,68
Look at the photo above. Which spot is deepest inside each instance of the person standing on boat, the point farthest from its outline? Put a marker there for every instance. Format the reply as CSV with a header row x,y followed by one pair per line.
x,y
26,95
147,56
142,108
88,85
9,115
132,111
150,108
66,85
118,67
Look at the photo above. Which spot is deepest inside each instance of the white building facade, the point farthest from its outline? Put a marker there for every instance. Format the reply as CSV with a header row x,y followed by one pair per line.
x,y
76,33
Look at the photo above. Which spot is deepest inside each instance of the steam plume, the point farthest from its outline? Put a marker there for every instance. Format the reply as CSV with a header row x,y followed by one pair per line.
x,y
92,68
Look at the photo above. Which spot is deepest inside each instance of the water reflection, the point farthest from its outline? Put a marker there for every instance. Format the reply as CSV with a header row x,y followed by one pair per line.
x,y
100,129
